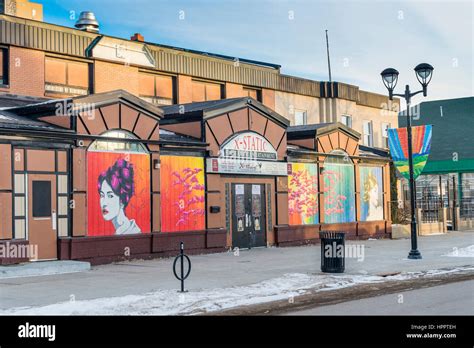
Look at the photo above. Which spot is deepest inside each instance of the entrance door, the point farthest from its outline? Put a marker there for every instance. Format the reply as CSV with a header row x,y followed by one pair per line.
x,y
42,214
248,216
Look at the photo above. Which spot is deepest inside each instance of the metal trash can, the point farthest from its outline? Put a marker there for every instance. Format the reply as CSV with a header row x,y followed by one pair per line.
x,y
332,252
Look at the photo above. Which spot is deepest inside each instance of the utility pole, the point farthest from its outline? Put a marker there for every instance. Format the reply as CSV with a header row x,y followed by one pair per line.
x,y
329,61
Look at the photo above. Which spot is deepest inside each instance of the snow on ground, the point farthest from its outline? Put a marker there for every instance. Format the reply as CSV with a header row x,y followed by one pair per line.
x,y
171,302
462,252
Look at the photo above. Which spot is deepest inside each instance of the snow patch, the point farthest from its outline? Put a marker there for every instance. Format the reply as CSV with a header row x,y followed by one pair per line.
x,y
461,252
171,302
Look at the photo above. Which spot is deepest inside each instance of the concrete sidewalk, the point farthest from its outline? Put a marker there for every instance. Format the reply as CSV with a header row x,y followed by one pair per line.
x,y
226,270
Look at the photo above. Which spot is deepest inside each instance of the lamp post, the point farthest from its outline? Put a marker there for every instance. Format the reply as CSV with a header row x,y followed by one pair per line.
x,y
424,73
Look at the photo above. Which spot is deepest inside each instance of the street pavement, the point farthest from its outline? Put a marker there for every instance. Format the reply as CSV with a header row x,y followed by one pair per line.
x,y
227,270
449,299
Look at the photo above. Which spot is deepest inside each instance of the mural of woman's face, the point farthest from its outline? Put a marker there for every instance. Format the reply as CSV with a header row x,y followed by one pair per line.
x,y
374,194
109,202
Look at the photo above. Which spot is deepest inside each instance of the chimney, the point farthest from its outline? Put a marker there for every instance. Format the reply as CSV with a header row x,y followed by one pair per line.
x,y
87,22
137,37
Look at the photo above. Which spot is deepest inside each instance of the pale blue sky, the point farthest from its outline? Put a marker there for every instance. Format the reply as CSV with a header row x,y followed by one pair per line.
x,y
365,36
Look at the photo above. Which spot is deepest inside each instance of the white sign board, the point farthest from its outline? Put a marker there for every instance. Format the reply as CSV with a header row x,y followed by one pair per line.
x,y
248,146
233,166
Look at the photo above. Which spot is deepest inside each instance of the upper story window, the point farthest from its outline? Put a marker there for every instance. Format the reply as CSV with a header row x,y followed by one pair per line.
x,y
4,66
346,120
65,78
157,89
368,133
253,93
118,146
385,127
204,91
301,117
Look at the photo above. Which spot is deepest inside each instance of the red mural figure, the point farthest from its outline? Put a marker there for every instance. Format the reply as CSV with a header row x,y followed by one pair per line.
x,y
190,197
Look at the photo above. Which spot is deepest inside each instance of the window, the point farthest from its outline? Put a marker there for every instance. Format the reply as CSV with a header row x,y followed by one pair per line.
x,y
3,66
204,91
41,199
253,93
346,120
156,89
385,127
120,146
301,117
368,134
66,77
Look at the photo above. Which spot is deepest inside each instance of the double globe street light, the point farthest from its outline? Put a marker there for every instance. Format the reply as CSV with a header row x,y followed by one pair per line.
x,y
424,73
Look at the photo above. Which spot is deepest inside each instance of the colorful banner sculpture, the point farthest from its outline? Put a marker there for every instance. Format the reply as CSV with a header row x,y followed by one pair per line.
x,y
398,143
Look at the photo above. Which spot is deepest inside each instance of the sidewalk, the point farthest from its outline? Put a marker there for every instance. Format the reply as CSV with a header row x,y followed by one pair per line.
x,y
258,270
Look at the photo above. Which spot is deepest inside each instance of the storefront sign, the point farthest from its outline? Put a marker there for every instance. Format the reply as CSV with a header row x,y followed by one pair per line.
x,y
248,146
234,166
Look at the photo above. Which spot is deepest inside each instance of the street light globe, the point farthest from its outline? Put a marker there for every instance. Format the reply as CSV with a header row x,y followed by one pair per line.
x,y
424,73
390,78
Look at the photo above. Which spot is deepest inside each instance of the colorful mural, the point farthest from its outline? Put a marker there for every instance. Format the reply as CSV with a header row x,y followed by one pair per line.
x,y
118,193
421,145
303,206
339,201
182,193
371,193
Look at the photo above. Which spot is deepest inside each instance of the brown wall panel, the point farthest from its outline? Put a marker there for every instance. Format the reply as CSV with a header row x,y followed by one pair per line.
x,y
192,129
145,126
111,115
79,213
155,180
156,134
324,144
94,122
213,182
282,183
268,98
307,143
213,147
274,133
79,164
62,161
334,137
129,116
257,122
343,139
5,215
185,89
40,160
19,159
239,119
156,213
352,147
282,199
5,167
61,121
220,127
215,220
281,151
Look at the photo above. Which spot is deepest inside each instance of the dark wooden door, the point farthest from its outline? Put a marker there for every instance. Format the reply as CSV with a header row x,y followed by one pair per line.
x,y
248,216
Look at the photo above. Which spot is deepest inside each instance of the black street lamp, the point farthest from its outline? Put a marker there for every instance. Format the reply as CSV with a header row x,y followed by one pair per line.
x,y
424,72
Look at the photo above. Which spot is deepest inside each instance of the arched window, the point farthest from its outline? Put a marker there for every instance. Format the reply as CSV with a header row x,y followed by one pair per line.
x,y
118,146
339,188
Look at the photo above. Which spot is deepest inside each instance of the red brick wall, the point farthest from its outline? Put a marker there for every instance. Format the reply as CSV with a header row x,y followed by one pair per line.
x,y
110,77
26,72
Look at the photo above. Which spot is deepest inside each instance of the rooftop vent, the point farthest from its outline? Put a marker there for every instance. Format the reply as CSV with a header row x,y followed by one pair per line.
x,y
87,22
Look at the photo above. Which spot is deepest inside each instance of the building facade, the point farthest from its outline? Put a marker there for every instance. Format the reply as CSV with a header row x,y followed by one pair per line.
x,y
107,177
447,181
46,60
114,149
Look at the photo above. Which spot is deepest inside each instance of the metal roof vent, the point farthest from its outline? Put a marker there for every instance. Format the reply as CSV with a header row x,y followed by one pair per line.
x,y
87,22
